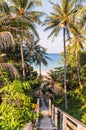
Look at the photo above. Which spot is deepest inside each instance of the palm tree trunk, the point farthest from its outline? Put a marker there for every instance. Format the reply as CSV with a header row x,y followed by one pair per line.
x,y
40,69
22,59
39,77
30,70
53,90
77,65
65,86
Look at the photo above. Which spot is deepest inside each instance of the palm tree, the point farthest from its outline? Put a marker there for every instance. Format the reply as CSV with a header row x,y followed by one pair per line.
x,y
62,18
42,58
36,54
76,43
23,9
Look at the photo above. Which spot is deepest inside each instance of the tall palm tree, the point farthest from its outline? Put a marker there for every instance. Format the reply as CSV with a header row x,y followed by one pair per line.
x,y
76,43
23,9
62,18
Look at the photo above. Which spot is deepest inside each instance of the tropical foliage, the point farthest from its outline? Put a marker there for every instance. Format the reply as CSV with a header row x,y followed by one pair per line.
x,y
16,108
19,49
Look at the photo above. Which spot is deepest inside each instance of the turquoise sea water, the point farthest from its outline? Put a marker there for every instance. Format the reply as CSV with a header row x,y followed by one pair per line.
x,y
54,62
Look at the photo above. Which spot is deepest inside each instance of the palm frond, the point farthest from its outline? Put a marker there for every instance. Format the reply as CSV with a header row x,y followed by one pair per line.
x,y
3,19
70,5
56,8
6,39
65,5
4,7
32,4
35,16
54,32
81,11
9,67
74,11
73,29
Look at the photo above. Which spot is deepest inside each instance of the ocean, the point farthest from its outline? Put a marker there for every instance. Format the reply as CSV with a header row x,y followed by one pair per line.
x,y
56,61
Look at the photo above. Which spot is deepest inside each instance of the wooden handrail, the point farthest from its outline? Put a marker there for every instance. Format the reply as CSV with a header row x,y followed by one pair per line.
x,y
71,118
67,122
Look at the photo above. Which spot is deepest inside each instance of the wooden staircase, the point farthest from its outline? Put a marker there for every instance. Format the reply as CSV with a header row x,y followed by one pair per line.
x,y
56,119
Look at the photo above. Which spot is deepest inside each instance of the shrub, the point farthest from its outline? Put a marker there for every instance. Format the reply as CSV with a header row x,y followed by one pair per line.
x,y
16,107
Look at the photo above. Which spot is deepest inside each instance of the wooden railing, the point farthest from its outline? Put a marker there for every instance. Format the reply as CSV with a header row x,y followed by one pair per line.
x,y
64,121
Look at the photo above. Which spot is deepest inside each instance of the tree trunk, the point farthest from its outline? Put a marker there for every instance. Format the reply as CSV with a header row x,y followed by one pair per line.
x,y
39,78
53,90
22,59
30,70
40,69
77,65
65,86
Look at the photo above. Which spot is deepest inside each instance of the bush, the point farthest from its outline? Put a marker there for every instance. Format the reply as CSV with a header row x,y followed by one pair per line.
x,y
84,118
16,107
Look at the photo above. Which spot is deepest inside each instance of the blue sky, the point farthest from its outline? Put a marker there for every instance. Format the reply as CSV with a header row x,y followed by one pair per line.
x,y
52,47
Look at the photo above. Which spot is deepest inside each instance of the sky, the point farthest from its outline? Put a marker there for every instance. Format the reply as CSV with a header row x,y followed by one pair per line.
x,y
55,46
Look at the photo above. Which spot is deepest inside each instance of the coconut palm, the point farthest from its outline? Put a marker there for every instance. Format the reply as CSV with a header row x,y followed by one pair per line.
x,y
36,54
76,43
23,9
62,18
42,58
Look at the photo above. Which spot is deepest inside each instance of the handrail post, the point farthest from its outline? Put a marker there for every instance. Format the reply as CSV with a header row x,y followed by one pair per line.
x,y
56,117
61,119
37,110
49,107
64,122
52,112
